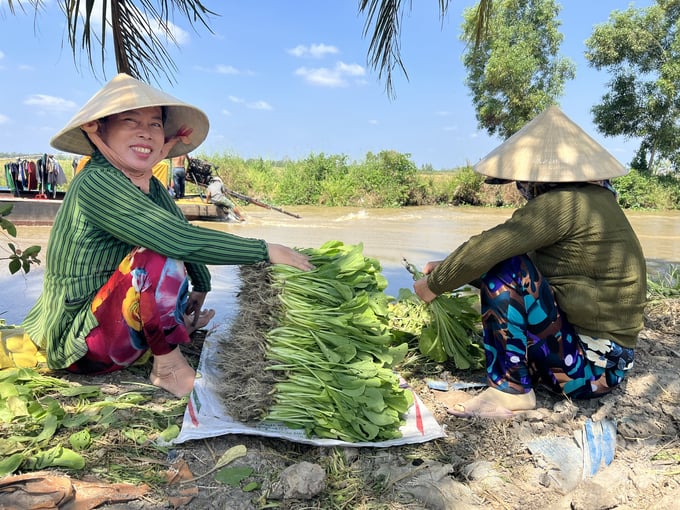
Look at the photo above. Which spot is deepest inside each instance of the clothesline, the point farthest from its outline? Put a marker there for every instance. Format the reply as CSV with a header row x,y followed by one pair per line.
x,y
43,174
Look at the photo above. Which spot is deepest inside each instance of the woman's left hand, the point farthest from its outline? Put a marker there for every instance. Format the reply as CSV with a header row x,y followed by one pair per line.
x,y
279,254
195,305
183,135
423,291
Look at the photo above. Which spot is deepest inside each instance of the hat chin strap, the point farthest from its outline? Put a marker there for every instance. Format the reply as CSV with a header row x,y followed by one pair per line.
x,y
91,131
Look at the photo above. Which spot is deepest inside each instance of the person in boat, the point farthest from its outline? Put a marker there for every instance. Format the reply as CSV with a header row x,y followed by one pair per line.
x,y
562,281
125,271
216,194
179,174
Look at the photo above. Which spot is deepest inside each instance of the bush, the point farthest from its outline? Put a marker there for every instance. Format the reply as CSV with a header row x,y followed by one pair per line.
x,y
391,179
384,180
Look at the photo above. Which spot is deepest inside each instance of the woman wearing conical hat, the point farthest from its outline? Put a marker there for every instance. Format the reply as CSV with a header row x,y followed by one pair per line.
x,y
562,281
125,271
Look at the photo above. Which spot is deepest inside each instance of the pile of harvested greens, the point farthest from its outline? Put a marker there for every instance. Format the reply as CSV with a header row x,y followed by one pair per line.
x,y
313,350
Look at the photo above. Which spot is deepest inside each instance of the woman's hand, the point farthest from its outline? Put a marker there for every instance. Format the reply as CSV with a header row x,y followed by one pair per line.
x,y
423,291
183,135
195,305
279,254
420,285
430,266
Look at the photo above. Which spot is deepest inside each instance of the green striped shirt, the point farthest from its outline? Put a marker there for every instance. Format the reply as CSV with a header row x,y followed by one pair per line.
x,y
103,217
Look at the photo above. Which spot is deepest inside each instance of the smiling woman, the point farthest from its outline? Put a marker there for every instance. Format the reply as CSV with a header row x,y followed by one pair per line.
x,y
121,255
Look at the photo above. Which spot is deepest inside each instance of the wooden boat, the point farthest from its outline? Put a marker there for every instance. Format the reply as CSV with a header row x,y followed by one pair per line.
x,y
34,208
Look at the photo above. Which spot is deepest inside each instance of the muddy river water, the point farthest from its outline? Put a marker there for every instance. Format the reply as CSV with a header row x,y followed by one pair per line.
x,y
419,234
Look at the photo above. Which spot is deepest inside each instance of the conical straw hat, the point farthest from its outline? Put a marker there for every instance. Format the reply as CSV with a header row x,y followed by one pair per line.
x,y
125,93
550,148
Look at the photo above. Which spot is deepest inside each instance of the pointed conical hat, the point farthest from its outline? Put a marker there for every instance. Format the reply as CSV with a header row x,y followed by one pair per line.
x,y
125,93
550,148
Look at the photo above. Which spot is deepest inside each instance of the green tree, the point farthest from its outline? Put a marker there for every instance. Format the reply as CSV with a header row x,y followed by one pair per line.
x,y
641,50
515,72
385,179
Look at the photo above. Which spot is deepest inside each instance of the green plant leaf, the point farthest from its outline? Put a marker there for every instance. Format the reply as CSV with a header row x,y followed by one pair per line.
x,y
233,476
11,464
8,226
57,457
14,265
80,440
231,455
250,487
170,433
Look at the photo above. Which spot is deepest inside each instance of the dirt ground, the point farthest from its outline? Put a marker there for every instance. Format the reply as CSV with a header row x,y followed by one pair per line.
x,y
479,464
484,463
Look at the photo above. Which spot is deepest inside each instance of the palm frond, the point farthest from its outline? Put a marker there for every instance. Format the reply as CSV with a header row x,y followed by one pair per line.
x,y
383,19
140,32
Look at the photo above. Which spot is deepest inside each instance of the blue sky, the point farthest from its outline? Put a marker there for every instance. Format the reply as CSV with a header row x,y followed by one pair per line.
x,y
285,79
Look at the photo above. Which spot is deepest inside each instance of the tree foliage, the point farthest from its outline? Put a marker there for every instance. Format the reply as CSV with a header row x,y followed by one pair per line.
x,y
515,72
641,50
19,260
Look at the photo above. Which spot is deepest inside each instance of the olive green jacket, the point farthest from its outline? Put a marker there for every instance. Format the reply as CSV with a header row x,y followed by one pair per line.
x,y
581,241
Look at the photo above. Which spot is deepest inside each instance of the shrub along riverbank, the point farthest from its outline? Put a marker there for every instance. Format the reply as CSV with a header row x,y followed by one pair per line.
x,y
391,179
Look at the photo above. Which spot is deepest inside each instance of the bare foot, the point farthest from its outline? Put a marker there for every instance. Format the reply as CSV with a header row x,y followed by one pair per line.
x,y
203,319
493,403
172,373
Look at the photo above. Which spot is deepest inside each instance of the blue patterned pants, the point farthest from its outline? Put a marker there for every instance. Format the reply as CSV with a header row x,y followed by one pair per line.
x,y
528,340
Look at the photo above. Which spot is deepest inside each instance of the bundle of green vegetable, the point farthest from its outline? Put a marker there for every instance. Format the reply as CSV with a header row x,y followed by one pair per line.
x,y
330,350
449,323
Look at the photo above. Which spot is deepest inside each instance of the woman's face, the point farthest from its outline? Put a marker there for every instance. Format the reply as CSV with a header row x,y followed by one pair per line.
x,y
135,136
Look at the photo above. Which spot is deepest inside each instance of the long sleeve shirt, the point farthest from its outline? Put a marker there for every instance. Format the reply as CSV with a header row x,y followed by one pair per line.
x,y
103,217
581,241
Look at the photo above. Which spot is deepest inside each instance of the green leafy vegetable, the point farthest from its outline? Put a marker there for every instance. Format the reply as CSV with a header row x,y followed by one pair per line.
x,y
334,348
448,325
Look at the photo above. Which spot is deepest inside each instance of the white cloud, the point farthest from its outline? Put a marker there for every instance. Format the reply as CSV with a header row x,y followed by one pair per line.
x,y
235,99
225,69
225,112
50,102
259,105
373,122
4,119
327,77
350,69
2,55
181,36
313,50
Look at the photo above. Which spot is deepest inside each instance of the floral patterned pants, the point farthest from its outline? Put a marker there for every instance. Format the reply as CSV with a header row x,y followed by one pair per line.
x,y
140,308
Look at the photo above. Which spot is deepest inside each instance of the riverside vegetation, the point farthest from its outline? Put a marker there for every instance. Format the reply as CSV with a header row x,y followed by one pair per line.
x,y
391,179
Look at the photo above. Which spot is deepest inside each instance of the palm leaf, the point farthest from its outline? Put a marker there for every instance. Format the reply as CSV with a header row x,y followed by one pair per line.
x,y
385,18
